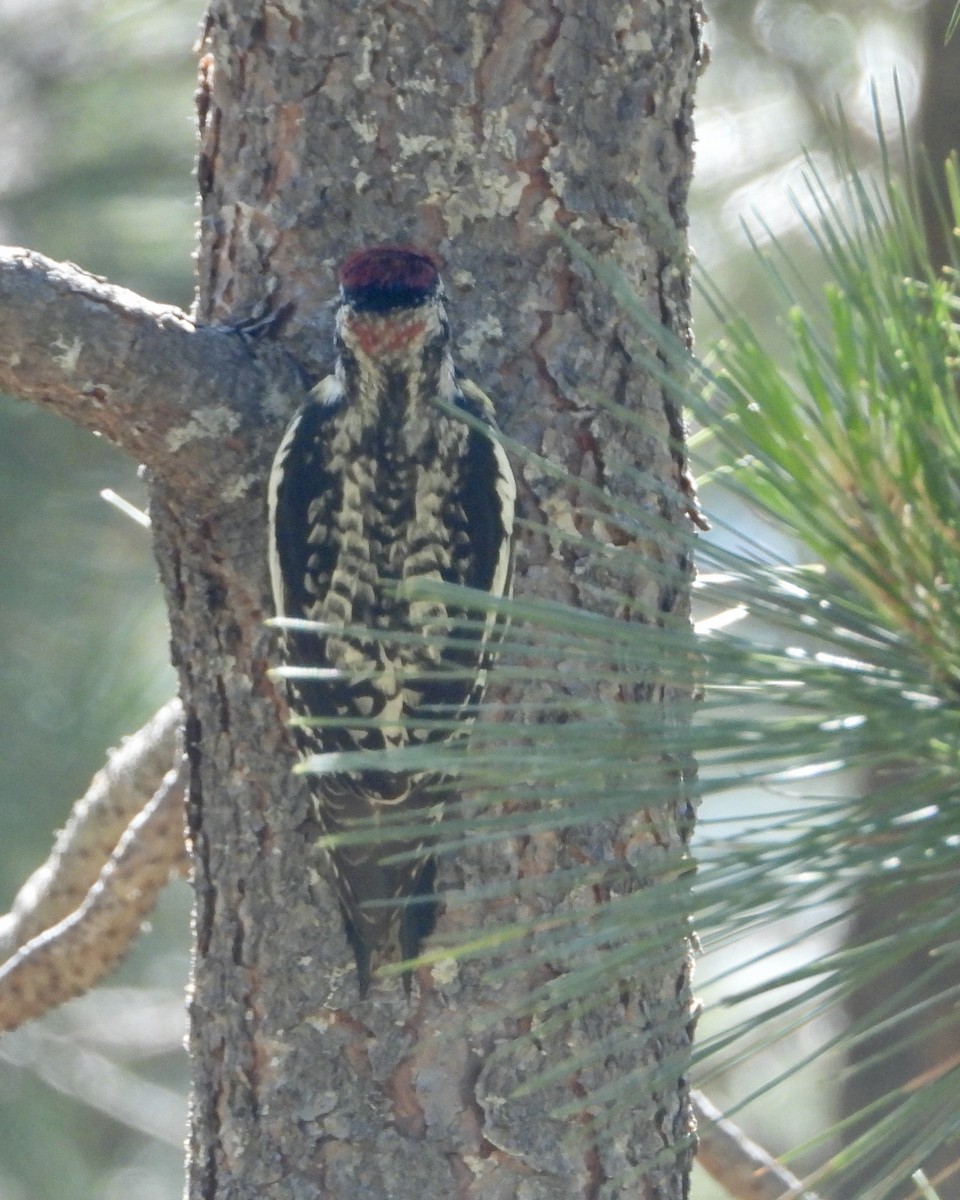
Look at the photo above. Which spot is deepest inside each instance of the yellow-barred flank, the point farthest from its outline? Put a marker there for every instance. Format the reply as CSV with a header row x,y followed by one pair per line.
x,y
375,483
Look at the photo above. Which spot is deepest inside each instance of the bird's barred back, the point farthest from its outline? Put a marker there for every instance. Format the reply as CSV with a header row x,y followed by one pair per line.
x,y
375,485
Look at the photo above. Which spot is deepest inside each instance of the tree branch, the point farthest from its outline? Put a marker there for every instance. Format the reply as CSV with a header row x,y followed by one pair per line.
x,y
739,1165
75,917
73,955
140,374
99,1082
117,793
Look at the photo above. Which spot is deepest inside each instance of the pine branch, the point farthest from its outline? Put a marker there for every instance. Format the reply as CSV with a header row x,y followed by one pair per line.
x,y
738,1164
117,793
61,956
71,957
99,1082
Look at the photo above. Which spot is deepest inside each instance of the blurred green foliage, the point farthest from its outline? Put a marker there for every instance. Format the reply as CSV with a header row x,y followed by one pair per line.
x,y
99,143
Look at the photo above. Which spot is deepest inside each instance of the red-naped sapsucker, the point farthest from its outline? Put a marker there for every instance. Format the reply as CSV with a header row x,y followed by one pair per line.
x,y
375,484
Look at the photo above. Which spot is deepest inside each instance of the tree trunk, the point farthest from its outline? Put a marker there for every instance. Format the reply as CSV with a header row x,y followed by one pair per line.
x,y
471,128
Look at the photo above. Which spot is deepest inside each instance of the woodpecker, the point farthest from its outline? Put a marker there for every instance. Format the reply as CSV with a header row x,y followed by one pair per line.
x,y
375,484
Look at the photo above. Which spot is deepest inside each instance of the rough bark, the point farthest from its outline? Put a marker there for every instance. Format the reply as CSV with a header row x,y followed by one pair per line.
x,y
469,127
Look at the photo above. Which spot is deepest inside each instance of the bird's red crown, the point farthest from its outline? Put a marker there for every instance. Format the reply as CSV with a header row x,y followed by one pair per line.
x,y
382,278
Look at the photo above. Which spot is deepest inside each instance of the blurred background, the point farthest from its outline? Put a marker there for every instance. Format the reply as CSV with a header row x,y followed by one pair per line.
x,y
96,146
